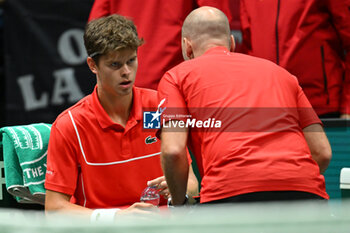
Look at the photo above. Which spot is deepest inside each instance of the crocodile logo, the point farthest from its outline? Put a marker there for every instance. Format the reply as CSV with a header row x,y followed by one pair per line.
x,y
150,140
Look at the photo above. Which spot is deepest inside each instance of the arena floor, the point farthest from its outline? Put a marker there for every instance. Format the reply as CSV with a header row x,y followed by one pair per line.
x,y
296,217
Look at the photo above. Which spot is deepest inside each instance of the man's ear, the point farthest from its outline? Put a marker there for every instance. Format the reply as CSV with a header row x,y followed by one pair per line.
x,y
233,44
92,65
188,48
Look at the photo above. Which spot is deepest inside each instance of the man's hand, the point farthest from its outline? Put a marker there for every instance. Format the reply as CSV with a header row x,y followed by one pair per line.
x,y
161,185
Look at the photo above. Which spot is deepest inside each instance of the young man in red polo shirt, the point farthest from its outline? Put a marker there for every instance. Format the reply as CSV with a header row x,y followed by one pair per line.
x,y
99,156
254,134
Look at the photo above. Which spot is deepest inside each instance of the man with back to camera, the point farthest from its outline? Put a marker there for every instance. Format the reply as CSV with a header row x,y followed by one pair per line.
x,y
269,145
98,156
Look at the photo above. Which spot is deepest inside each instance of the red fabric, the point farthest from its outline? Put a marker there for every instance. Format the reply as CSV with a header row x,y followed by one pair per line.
x,y
92,181
159,23
310,42
260,146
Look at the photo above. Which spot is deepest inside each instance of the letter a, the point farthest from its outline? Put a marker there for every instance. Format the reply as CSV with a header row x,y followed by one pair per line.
x,y
65,84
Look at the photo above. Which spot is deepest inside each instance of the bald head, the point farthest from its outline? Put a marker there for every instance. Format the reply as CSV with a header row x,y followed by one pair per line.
x,y
207,26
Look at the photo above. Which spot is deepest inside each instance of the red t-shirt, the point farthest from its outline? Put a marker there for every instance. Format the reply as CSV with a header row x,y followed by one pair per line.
x,y
259,145
98,162
159,23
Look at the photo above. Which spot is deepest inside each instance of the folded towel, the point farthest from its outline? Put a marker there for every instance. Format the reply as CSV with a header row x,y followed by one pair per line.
x,y
24,151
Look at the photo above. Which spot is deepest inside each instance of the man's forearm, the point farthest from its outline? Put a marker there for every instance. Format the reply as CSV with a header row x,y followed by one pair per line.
x,y
174,162
319,145
59,202
175,168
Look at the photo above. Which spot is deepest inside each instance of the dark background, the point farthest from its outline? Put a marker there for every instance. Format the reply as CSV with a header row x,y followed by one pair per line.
x,y
31,38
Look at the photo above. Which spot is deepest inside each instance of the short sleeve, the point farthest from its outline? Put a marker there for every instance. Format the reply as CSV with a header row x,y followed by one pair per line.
x,y
307,115
62,167
169,92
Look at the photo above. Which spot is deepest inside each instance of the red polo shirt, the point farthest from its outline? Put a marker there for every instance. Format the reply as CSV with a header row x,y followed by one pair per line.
x,y
260,144
98,162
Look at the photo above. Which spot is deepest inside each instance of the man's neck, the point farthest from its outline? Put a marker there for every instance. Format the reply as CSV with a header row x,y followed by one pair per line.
x,y
117,108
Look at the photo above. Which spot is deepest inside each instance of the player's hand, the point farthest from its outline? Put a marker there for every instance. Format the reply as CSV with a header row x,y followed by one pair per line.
x,y
139,209
161,185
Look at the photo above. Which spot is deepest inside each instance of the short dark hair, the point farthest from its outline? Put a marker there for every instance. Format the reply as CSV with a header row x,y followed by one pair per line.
x,y
109,34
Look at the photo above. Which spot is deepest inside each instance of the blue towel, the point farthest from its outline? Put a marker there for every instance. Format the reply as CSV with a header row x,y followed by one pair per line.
x,y
24,151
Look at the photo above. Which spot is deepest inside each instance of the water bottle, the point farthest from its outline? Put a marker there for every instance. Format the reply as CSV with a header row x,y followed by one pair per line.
x,y
150,195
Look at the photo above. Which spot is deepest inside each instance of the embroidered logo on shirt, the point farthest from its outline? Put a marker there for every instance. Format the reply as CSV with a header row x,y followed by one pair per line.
x,y
150,140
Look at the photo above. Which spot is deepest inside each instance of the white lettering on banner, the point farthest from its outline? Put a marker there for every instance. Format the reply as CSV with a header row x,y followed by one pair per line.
x,y
30,101
65,84
66,47
2,179
71,48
